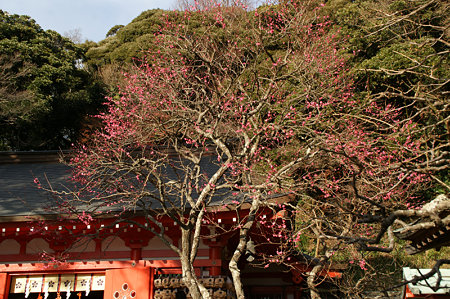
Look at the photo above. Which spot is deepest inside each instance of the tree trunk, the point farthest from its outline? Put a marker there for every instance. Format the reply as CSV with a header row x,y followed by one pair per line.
x,y
240,249
196,289
234,269
311,285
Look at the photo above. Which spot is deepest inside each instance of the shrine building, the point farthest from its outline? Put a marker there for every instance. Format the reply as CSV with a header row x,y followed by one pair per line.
x,y
39,258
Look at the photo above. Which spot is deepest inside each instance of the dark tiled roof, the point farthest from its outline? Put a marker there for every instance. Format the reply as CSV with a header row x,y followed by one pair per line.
x,y
19,195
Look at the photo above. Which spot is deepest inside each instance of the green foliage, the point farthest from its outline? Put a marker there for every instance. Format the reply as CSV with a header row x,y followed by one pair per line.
x,y
113,30
401,59
383,271
123,43
44,92
399,55
397,38
138,37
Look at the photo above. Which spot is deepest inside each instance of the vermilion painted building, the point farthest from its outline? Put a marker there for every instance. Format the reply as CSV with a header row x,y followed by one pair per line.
x,y
114,260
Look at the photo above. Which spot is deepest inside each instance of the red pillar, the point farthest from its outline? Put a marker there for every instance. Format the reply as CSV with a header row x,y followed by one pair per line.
x,y
136,245
136,253
215,253
4,285
98,246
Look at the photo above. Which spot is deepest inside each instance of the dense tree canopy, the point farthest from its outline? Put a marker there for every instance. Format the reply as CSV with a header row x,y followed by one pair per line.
x,y
271,95
123,43
343,105
221,111
44,90
401,57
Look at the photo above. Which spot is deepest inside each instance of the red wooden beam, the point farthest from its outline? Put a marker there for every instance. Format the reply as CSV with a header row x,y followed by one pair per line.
x,y
98,266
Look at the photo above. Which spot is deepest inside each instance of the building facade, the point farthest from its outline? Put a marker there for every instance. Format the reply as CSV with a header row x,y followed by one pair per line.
x,y
43,256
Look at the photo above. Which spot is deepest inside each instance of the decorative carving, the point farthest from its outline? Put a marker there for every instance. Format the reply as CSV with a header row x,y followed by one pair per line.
x,y
124,293
100,282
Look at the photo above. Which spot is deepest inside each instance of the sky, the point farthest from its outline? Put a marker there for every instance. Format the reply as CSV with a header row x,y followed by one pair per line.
x,y
90,18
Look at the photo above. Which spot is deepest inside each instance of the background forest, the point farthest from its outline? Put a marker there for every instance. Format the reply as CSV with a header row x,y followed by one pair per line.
x,y
392,71
49,84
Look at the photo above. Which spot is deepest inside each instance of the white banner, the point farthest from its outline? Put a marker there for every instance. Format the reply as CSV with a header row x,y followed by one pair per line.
x,y
53,283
